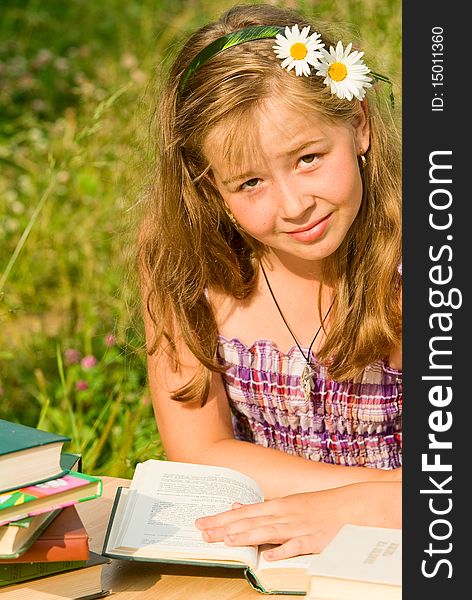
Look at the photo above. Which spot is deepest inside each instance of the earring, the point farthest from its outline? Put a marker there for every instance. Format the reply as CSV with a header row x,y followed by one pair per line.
x,y
363,161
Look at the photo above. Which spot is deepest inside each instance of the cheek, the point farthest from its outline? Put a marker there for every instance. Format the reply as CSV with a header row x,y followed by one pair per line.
x,y
255,217
346,185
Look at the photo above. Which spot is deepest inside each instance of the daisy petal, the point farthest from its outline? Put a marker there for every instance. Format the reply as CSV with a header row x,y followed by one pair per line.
x,y
304,33
287,61
284,47
348,79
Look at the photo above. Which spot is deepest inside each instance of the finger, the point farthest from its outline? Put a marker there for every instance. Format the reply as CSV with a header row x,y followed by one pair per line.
x,y
217,534
303,544
228,516
277,506
269,533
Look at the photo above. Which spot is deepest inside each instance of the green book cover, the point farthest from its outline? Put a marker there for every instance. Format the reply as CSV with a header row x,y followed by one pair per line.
x,y
71,461
15,437
24,523
20,467
65,583
11,573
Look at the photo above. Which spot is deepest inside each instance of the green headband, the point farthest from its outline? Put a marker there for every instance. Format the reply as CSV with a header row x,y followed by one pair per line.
x,y
300,51
228,41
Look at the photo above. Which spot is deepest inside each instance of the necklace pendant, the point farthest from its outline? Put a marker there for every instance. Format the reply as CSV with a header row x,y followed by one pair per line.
x,y
307,382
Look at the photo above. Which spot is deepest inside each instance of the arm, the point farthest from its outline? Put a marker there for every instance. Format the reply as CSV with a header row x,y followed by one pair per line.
x,y
305,523
195,434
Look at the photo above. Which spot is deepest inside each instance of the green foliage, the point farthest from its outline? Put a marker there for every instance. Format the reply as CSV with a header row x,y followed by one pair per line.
x,y
75,102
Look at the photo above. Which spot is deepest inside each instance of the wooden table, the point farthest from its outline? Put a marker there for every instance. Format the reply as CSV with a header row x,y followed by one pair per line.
x,y
131,580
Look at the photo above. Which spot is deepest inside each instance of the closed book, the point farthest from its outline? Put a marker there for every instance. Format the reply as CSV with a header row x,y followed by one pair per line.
x,y
28,455
71,461
12,573
50,495
64,539
360,562
17,537
82,583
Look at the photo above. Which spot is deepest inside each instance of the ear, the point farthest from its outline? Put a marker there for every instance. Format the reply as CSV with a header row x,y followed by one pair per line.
x,y
362,129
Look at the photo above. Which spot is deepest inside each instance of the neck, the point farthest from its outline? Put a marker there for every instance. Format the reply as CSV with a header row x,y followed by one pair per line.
x,y
318,331
289,266
296,280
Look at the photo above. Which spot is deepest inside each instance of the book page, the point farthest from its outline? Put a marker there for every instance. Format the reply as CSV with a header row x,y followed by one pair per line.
x,y
167,497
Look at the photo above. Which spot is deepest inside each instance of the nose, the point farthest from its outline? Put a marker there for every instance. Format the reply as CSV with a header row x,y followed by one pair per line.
x,y
293,200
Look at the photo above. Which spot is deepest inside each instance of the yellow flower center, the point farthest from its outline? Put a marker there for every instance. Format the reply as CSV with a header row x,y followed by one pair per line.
x,y
337,71
298,51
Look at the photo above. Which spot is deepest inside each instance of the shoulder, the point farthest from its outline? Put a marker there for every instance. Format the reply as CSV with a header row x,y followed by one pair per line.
x,y
221,303
235,317
224,305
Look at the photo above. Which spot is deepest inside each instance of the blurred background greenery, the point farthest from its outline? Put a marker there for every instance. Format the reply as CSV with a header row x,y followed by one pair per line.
x,y
76,95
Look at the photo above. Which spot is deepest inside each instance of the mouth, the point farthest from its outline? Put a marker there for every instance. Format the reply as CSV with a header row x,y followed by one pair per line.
x,y
312,231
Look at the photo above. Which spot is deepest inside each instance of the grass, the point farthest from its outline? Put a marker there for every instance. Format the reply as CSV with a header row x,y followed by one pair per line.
x,y
75,100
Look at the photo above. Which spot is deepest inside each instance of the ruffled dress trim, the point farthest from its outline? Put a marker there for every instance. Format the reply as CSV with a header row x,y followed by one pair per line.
x,y
357,422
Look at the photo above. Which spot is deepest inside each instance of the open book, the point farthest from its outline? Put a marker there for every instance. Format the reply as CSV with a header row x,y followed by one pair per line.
x,y
154,520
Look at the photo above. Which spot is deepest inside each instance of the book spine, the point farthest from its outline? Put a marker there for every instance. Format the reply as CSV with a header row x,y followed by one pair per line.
x,y
17,572
254,582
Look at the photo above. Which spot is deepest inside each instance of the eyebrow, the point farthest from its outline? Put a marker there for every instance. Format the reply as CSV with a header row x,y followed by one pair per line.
x,y
248,174
239,177
303,146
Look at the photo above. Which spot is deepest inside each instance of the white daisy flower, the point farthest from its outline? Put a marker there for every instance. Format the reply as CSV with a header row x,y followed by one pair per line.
x,y
345,72
298,50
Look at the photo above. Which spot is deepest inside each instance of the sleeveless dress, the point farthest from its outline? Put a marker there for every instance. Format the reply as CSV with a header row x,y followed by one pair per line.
x,y
353,423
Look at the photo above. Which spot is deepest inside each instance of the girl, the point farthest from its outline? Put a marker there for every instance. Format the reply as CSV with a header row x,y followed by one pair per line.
x,y
269,257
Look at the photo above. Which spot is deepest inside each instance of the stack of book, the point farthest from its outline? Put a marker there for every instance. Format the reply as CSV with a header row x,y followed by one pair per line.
x,y
44,548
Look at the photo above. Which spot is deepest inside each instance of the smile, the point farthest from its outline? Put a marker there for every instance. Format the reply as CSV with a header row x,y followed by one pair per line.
x,y
311,232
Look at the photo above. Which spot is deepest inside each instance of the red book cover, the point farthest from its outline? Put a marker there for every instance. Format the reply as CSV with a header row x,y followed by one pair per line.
x,y
65,539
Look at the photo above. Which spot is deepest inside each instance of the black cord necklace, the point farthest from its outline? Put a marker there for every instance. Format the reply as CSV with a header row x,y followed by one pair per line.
x,y
307,375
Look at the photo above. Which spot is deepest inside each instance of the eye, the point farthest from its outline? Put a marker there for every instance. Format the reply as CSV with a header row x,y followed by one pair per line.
x,y
308,159
250,184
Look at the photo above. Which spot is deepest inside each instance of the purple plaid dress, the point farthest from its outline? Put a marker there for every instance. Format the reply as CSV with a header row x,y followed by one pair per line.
x,y
354,423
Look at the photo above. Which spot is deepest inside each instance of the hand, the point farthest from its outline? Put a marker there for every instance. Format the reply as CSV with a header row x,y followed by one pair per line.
x,y
305,523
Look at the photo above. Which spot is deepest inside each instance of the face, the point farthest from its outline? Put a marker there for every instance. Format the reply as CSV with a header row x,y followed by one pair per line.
x,y
301,190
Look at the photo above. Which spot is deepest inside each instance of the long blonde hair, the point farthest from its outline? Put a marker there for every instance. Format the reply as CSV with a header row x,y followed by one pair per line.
x,y
188,244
